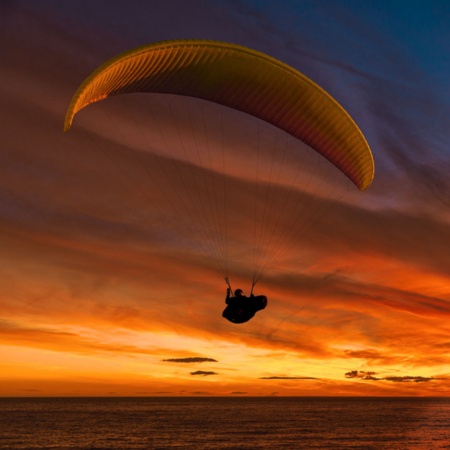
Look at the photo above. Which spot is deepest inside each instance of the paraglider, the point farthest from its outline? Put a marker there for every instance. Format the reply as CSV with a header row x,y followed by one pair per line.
x,y
240,308
243,79
255,84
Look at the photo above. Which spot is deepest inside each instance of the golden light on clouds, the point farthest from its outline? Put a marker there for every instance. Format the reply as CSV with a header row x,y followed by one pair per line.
x,y
101,295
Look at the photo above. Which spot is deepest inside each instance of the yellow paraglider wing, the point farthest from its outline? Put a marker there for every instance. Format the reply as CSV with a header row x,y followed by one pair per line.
x,y
242,79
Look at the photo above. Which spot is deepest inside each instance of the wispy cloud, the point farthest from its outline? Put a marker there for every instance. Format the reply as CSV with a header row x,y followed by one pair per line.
x,y
190,360
90,247
370,376
203,373
287,378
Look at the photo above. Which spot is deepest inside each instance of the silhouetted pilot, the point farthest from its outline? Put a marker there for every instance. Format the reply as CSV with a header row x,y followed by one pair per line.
x,y
240,308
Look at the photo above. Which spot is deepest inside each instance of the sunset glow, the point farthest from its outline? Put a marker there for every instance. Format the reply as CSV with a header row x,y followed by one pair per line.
x,y
101,296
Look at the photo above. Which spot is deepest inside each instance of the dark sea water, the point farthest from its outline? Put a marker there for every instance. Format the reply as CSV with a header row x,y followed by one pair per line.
x,y
225,423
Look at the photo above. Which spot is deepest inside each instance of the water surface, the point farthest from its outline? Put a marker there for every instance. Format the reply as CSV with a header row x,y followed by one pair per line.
x,y
225,423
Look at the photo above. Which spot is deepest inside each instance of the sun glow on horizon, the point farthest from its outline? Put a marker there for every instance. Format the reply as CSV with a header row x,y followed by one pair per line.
x,y
111,236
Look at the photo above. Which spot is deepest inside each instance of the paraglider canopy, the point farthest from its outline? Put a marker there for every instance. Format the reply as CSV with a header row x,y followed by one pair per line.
x,y
219,147
242,79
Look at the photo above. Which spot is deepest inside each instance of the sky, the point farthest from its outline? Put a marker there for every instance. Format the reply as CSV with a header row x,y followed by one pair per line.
x,y
105,287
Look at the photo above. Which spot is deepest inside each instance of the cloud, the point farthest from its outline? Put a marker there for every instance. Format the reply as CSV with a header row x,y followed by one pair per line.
x,y
203,373
45,338
408,379
359,374
195,359
82,249
369,376
288,378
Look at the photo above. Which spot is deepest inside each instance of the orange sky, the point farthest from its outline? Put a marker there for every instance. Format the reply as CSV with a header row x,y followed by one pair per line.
x,y
100,295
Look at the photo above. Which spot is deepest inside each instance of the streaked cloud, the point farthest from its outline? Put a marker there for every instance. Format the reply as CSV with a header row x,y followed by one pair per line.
x,y
203,373
194,359
287,378
370,376
96,286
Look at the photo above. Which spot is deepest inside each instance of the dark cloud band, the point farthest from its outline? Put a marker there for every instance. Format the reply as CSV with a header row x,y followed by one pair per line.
x,y
190,360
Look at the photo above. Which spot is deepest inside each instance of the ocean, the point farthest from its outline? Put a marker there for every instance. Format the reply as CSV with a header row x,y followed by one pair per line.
x,y
225,423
